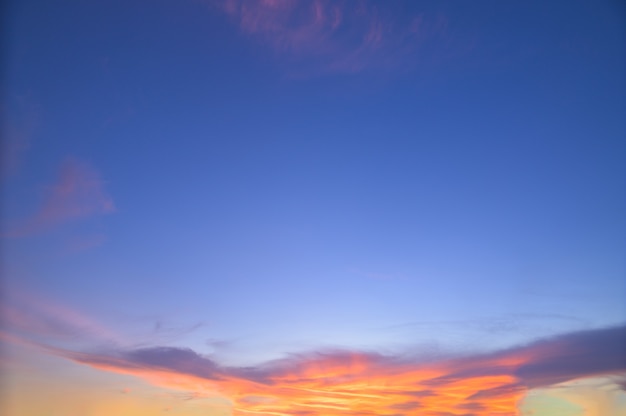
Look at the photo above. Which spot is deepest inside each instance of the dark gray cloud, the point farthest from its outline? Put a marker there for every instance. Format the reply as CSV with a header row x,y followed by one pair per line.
x,y
574,355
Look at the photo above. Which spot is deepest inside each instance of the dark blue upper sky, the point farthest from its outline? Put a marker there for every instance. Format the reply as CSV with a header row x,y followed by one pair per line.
x,y
321,172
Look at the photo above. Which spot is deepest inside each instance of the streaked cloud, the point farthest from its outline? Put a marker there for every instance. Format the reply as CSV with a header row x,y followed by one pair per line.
x,y
78,192
39,321
322,36
30,318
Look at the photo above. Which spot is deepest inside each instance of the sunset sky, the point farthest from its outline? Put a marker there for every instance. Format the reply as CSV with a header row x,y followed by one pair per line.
x,y
315,207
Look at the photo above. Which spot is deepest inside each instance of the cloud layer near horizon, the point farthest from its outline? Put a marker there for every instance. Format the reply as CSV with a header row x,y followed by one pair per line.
x,y
343,382
349,382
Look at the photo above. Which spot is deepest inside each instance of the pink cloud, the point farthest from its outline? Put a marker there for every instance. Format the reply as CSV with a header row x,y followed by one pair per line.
x,y
77,193
336,36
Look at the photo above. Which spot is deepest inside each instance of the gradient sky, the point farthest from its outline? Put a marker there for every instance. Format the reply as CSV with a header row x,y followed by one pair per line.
x,y
280,207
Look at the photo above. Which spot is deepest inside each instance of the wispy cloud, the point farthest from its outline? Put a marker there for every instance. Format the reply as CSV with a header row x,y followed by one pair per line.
x,y
503,331
36,320
40,321
322,36
78,192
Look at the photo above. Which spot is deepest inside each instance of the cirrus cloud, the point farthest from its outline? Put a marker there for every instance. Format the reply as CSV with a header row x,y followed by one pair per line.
x,y
322,36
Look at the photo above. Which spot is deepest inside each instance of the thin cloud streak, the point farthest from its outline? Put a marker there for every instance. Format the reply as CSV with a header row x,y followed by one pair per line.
x,y
321,36
40,321
77,193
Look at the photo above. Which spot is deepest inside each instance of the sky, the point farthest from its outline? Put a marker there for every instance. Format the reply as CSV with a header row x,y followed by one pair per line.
x,y
315,207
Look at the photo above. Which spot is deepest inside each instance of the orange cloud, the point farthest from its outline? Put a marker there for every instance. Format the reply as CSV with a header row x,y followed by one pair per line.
x,y
334,383
343,382
366,385
77,193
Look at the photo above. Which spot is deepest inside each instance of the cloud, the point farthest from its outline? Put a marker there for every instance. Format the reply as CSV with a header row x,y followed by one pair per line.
x,y
39,321
77,193
337,382
322,36
365,383
163,331
584,353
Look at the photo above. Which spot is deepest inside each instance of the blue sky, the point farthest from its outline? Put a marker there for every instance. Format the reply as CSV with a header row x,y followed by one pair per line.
x,y
250,179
